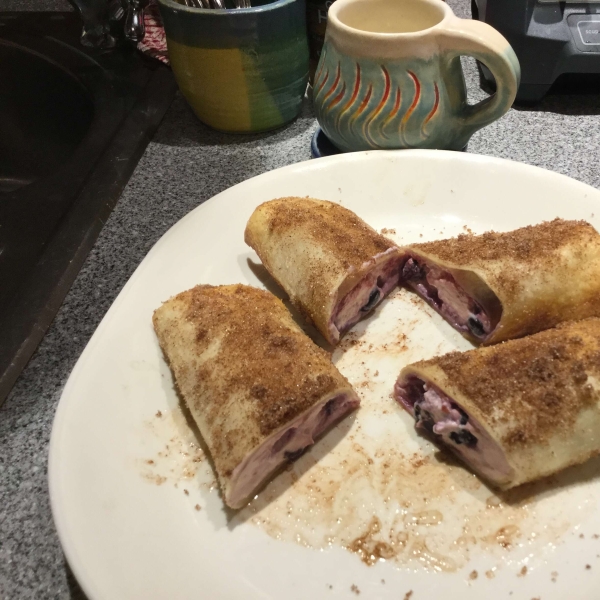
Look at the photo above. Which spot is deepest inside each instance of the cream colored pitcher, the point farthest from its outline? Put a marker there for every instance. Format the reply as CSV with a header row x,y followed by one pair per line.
x,y
390,76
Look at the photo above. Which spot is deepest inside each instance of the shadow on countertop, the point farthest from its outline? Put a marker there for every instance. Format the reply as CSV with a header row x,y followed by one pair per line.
x,y
570,101
566,104
571,94
75,591
182,128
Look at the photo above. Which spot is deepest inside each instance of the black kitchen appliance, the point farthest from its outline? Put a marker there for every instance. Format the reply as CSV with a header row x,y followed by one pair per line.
x,y
550,38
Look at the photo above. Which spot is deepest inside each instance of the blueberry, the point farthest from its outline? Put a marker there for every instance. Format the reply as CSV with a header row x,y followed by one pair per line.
x,y
329,406
468,438
464,417
463,437
373,299
476,327
412,270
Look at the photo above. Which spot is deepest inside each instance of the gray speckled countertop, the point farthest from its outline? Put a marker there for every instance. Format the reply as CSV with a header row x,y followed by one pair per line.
x,y
185,164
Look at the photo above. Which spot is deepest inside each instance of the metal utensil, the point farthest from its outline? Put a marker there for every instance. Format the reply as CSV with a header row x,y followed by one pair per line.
x,y
214,4
135,29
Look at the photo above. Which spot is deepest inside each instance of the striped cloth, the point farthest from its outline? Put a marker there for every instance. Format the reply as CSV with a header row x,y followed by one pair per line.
x,y
154,43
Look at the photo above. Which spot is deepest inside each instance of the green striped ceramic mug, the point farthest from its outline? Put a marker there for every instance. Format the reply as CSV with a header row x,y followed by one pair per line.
x,y
390,76
241,70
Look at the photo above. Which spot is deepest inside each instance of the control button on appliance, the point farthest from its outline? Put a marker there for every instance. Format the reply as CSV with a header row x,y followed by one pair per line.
x,y
589,32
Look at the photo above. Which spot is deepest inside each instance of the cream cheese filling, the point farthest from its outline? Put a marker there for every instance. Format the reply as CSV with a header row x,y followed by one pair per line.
x,y
286,445
449,423
366,295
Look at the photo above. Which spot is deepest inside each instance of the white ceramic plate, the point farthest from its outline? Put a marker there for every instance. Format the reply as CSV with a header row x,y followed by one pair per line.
x,y
133,496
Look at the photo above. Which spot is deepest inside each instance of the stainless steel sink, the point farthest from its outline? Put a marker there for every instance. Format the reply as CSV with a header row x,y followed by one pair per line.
x,y
73,125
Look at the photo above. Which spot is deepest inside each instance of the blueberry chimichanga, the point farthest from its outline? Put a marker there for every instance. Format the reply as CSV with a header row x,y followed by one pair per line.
x,y
517,411
334,267
258,388
498,286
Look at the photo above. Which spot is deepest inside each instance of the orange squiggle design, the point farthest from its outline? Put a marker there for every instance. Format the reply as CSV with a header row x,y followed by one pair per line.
x,y
348,104
362,106
337,98
352,98
435,105
415,99
322,84
386,92
377,110
393,113
334,85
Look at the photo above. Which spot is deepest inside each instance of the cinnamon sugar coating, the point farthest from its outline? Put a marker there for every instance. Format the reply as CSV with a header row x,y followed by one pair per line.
x,y
531,243
336,229
243,366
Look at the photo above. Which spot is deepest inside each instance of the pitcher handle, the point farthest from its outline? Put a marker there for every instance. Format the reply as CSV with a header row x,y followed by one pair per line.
x,y
483,42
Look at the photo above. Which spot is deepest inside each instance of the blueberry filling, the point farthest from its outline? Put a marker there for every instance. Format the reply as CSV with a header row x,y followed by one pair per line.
x,y
463,437
412,270
422,417
443,414
373,299
441,290
329,406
